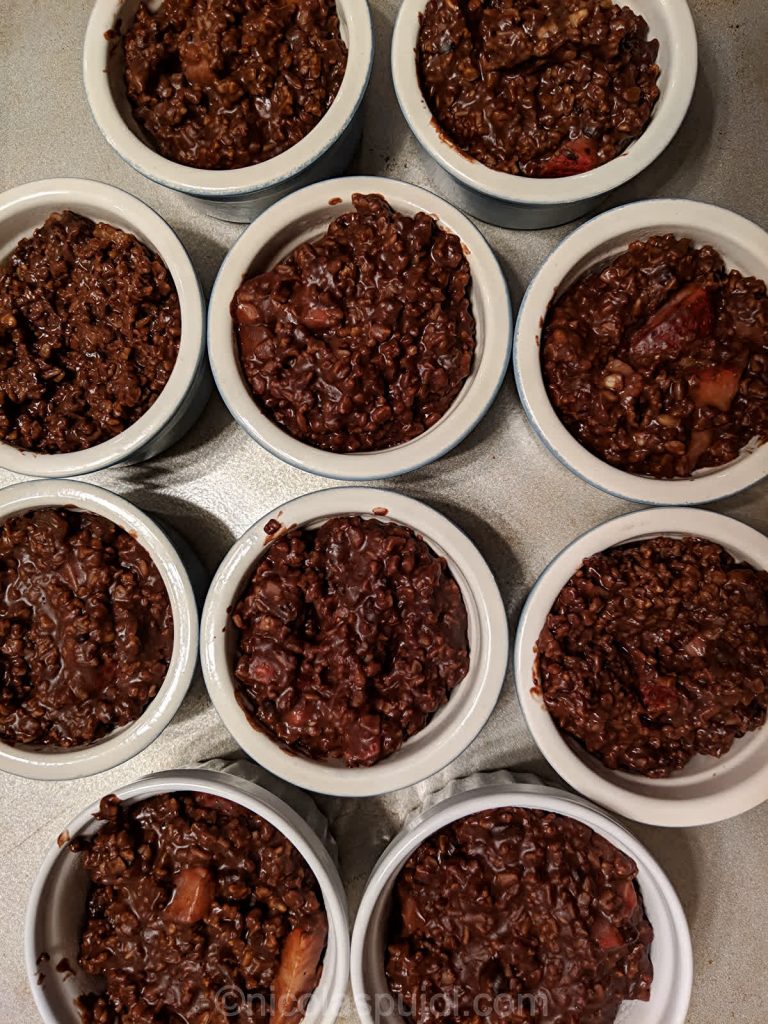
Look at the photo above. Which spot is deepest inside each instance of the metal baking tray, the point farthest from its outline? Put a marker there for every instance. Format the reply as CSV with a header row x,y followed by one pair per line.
x,y
515,501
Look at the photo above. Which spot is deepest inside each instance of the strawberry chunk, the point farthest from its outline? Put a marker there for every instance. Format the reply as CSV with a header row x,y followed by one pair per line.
x,y
628,894
605,935
658,696
701,441
413,922
717,386
218,803
685,318
195,63
363,740
298,972
319,317
192,897
576,156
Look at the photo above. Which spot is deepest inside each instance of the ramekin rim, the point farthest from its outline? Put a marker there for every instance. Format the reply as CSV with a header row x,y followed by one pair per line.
x,y
529,381
487,379
190,358
544,192
660,811
188,779
384,777
493,794
238,182
113,750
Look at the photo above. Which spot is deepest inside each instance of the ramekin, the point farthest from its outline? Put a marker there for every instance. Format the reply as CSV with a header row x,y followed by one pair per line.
x,y
56,906
744,247
451,729
239,194
708,789
179,404
306,215
671,952
182,575
513,200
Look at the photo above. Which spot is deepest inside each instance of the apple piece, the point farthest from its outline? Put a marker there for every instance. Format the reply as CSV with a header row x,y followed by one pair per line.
x,y
628,894
684,318
218,803
298,972
576,156
700,442
659,696
192,897
605,935
413,922
363,741
717,386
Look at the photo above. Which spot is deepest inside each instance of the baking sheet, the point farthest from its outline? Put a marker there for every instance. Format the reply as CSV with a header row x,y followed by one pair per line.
x,y
516,502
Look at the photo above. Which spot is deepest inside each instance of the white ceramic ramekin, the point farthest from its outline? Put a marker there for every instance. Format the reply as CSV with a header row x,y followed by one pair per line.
x,y
454,726
514,201
56,905
307,215
743,246
182,577
671,953
240,194
22,211
708,789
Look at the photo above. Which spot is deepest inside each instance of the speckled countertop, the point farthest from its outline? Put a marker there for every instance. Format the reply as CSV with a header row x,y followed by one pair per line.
x,y
517,503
